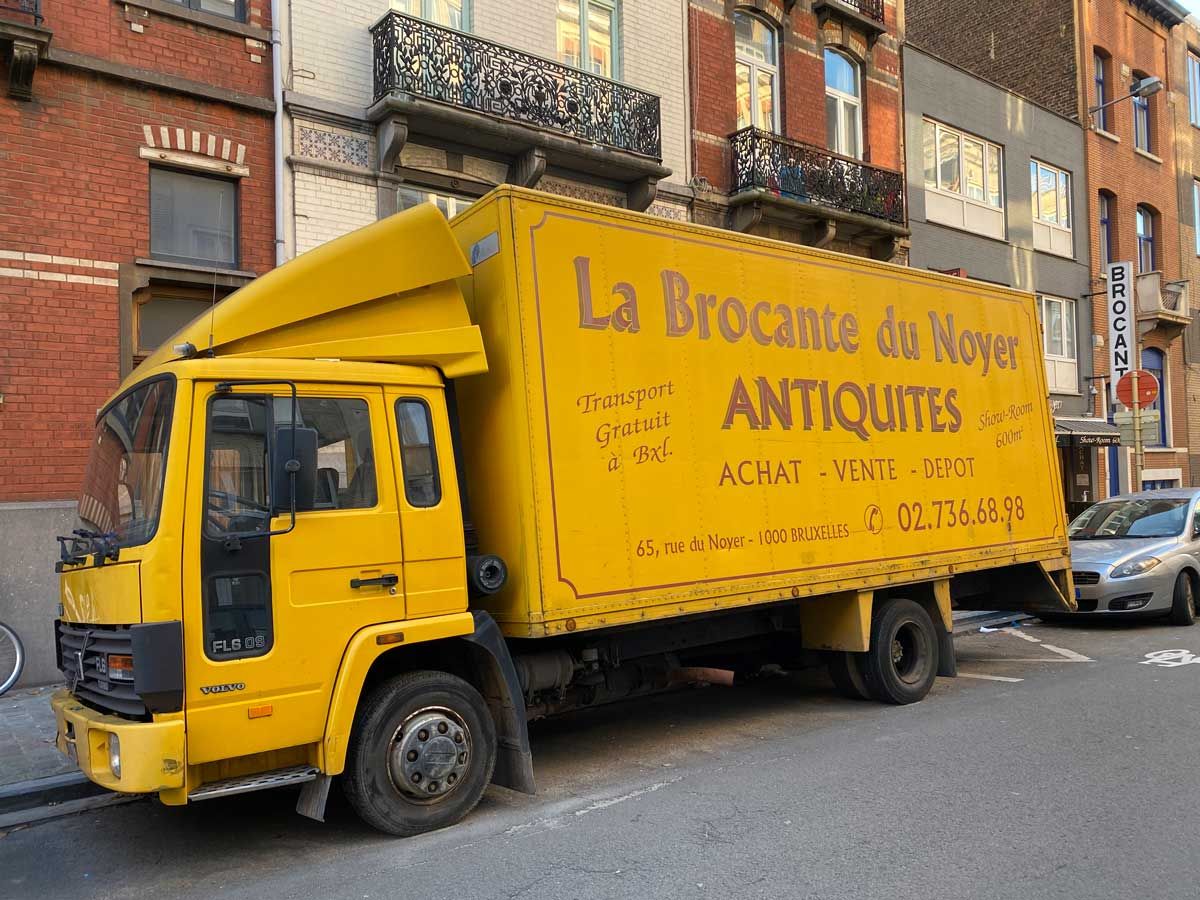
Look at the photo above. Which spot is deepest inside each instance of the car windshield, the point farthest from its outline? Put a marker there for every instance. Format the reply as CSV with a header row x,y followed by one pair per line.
x,y
1145,517
122,486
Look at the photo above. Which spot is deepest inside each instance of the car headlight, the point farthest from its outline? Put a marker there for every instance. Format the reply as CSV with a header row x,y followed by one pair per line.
x,y
114,755
1136,567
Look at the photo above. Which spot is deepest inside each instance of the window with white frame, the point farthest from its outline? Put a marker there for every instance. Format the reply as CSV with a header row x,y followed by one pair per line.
x,y
843,104
450,205
963,180
1059,345
756,71
1050,191
586,36
1196,213
1193,67
451,13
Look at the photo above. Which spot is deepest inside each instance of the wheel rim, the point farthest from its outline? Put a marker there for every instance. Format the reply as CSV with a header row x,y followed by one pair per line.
x,y
909,653
429,754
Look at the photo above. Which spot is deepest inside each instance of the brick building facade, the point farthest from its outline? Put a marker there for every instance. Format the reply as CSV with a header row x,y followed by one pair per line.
x,y
136,157
1073,58
796,130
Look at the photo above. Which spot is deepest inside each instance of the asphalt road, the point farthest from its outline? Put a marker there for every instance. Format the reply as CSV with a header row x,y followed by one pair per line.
x,y
1071,779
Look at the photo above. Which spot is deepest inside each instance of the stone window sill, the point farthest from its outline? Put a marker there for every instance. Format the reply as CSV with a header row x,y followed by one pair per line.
x,y
1150,156
1108,135
209,20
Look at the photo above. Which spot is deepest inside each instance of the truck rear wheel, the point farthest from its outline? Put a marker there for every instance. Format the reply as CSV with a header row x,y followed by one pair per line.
x,y
903,660
846,670
421,753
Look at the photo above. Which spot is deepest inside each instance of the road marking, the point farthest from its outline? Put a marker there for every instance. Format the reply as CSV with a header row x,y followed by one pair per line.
x,y
1016,632
613,801
1069,654
990,677
1170,659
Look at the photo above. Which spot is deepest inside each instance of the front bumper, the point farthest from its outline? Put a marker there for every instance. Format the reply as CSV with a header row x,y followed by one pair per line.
x,y
1113,596
152,753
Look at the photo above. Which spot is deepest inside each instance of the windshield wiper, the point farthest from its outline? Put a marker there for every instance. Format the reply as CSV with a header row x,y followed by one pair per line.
x,y
102,546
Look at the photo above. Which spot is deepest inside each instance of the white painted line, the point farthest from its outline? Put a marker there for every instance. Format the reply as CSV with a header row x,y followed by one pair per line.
x,y
990,677
613,801
1069,654
1016,632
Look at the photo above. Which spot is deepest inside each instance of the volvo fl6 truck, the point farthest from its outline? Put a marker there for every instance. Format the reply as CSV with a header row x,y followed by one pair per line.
x,y
380,508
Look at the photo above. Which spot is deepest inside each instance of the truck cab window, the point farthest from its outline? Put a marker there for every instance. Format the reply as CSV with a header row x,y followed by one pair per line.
x,y
237,466
345,456
422,487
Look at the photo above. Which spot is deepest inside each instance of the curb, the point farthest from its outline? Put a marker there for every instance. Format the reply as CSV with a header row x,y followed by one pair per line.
x,y
972,623
38,799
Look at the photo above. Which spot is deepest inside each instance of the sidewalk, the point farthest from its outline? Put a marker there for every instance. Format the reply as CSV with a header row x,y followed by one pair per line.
x,y
27,748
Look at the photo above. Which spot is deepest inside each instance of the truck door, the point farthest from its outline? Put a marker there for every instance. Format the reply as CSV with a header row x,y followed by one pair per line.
x,y
267,614
435,574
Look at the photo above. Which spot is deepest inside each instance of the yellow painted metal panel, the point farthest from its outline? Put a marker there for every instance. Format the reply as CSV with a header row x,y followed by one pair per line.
x,y
715,419
840,621
102,595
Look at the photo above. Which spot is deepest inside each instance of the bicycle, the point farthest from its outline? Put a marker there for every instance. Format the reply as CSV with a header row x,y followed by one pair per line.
x,y
12,658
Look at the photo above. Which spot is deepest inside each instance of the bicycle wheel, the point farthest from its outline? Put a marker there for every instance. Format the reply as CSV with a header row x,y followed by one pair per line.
x,y
12,657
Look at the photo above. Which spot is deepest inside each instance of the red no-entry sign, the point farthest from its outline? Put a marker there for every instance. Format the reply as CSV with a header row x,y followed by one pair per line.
x,y
1147,389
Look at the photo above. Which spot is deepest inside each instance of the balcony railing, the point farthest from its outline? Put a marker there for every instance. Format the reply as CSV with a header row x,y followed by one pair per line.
x,y
769,162
872,9
416,57
30,8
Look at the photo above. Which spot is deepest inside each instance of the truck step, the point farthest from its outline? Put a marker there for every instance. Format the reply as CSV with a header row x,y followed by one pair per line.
x,y
243,784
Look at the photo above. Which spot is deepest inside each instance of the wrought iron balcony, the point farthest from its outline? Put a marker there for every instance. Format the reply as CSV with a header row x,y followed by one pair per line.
x,y
416,57
764,161
29,8
872,9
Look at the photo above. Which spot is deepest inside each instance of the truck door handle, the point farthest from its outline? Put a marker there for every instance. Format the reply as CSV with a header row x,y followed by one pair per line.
x,y
388,580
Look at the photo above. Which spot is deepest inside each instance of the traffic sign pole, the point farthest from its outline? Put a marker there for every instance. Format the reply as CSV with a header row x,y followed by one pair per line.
x,y
1138,459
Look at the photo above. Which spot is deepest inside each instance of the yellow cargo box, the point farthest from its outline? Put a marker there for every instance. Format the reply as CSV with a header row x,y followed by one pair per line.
x,y
679,419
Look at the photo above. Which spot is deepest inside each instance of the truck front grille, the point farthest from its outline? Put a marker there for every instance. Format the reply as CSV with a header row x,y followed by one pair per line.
x,y
91,644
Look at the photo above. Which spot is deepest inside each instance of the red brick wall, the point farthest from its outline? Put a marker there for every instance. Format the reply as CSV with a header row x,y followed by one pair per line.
x,y
1136,43
76,191
801,91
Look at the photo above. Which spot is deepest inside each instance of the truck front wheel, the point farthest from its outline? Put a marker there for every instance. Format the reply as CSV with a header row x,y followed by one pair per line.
x,y
902,662
421,753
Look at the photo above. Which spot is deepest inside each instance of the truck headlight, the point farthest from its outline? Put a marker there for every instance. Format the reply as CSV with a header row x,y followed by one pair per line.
x,y
1136,567
114,755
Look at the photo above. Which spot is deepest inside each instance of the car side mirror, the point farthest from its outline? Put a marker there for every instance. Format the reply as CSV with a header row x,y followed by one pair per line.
x,y
293,469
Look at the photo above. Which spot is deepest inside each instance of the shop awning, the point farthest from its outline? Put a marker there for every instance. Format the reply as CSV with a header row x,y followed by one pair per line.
x,y
1085,433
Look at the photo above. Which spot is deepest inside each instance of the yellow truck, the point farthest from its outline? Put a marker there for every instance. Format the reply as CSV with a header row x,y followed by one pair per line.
x,y
391,501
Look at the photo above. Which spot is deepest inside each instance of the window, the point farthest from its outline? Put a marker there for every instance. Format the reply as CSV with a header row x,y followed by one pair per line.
x,y
1051,189
962,164
1196,213
231,9
422,487
1142,123
843,105
449,204
756,71
1153,362
1105,208
345,460
586,35
1100,69
193,218
158,314
123,482
1194,88
1145,239
450,13
1058,343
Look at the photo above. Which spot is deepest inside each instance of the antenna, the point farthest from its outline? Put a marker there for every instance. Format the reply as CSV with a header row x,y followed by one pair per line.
x,y
212,309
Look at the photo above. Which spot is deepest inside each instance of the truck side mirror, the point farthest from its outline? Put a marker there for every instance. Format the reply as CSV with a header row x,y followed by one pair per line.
x,y
293,456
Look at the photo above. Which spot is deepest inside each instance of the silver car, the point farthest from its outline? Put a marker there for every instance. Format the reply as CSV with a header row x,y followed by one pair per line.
x,y
1139,554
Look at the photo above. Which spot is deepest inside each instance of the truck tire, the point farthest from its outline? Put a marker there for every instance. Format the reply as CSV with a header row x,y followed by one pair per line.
x,y
1183,602
846,670
903,660
421,753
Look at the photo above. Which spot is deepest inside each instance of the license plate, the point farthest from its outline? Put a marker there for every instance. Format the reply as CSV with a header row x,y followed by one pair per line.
x,y
1078,594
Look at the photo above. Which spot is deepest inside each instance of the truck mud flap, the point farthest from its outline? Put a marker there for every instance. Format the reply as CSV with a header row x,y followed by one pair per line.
x,y
502,691
1027,587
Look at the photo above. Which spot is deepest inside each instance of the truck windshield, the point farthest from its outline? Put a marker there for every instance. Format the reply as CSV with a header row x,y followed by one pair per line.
x,y
1143,518
122,486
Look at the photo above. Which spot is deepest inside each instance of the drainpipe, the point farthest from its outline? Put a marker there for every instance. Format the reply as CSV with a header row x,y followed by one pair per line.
x,y
277,84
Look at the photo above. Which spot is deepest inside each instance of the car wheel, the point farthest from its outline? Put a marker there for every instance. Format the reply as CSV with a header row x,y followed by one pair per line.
x,y
421,753
1183,606
902,663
